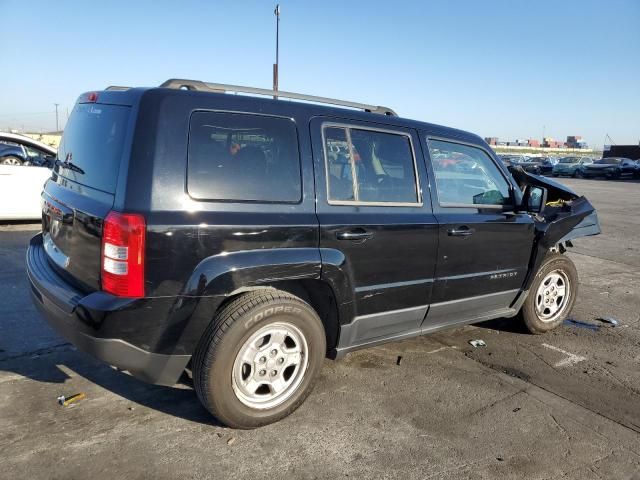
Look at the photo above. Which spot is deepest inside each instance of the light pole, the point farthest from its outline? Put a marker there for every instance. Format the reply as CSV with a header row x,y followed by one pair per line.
x,y
57,129
275,65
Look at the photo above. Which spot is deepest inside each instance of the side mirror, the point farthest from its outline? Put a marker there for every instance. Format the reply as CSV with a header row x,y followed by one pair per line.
x,y
534,199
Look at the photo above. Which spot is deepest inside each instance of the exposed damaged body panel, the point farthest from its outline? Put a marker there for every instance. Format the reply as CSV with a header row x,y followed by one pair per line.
x,y
564,216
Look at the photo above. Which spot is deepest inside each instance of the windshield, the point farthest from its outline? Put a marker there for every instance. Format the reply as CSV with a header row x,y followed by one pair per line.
x,y
609,161
569,160
92,144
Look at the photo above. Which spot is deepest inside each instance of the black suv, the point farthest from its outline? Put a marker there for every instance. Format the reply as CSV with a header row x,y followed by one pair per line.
x,y
242,239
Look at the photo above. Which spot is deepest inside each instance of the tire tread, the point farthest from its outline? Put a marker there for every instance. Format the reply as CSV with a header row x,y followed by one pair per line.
x,y
206,353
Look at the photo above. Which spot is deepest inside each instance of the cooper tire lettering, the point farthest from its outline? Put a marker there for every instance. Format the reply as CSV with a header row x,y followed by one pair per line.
x,y
271,311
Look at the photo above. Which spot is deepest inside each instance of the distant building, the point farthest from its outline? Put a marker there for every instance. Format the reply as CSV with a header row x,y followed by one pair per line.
x,y
533,143
626,151
491,140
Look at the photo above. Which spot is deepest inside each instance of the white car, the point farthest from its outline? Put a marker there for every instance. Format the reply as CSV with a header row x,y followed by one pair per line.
x,y
25,164
20,189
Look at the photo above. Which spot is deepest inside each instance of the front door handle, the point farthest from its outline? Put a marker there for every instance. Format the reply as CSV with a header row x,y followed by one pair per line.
x,y
463,231
355,234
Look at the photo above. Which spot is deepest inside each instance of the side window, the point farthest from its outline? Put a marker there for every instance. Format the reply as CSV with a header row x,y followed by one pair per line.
x,y
33,153
339,166
466,175
243,157
369,166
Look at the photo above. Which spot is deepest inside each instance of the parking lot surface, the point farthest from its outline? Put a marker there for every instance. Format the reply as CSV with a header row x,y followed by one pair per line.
x,y
561,405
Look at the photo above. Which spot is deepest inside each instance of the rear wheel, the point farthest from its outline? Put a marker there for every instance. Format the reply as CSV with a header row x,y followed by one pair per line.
x,y
258,360
10,160
552,294
578,173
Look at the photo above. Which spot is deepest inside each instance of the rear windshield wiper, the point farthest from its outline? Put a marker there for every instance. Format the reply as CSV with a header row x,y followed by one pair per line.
x,y
69,165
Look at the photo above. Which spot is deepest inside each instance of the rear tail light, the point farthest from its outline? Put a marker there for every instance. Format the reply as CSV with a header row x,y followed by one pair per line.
x,y
123,237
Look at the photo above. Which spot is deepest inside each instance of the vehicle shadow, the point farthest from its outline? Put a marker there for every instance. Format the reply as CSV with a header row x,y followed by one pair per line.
x,y
58,366
511,325
179,401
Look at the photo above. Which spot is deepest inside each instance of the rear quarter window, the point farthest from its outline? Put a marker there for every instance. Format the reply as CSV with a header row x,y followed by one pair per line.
x,y
243,157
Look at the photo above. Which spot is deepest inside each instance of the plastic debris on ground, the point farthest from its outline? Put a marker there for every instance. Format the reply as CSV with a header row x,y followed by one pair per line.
x,y
70,400
477,343
577,323
611,321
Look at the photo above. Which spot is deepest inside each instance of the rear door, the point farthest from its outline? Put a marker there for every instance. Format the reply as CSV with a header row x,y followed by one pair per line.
x,y
484,248
82,190
375,223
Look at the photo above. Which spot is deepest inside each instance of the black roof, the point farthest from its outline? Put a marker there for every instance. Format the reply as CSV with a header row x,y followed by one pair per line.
x,y
132,96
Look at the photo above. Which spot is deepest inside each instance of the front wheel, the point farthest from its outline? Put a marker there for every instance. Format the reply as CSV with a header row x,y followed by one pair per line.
x,y
552,294
10,160
258,361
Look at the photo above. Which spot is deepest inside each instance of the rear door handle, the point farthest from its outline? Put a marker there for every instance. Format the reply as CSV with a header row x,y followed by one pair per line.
x,y
355,234
463,231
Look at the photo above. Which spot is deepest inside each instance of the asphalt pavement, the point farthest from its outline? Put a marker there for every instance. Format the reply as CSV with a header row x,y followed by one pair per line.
x,y
561,405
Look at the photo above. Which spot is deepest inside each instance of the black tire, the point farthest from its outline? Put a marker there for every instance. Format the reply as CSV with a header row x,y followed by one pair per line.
x,y
215,356
533,321
10,160
578,174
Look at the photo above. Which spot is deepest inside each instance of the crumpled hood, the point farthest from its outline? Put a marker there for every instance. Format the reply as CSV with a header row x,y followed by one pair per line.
x,y
566,214
554,188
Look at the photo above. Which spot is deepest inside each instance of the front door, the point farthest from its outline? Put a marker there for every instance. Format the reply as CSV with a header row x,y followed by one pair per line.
x,y
484,247
376,227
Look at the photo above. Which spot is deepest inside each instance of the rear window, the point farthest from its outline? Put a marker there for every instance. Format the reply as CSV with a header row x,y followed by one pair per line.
x,y
93,141
243,157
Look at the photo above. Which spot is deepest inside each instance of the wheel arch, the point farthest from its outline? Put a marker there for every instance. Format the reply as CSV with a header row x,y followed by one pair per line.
x,y
220,279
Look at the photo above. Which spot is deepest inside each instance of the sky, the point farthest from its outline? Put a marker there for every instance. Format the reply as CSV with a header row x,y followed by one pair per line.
x,y
505,68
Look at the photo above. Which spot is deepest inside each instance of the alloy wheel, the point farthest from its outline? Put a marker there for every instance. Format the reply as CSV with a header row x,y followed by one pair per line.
x,y
270,365
552,296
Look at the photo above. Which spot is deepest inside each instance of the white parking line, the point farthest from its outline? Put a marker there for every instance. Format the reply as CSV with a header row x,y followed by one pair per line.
x,y
571,359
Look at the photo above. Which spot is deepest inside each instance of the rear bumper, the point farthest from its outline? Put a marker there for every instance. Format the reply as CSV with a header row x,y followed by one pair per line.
x,y
73,315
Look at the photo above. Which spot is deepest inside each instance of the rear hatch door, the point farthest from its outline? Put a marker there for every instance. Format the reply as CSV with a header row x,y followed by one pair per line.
x,y
82,190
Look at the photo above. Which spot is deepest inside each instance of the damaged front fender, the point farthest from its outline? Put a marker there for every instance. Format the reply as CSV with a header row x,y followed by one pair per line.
x,y
565,216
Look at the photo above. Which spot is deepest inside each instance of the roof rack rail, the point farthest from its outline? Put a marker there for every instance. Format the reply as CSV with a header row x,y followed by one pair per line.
x,y
198,85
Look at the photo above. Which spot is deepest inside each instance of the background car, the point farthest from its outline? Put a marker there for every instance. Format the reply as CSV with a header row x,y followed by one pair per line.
x,y
610,167
570,166
531,164
22,150
547,164
512,159
24,167
20,189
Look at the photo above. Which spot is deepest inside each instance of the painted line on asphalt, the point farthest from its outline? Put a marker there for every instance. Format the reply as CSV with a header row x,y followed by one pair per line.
x,y
571,359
